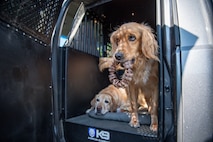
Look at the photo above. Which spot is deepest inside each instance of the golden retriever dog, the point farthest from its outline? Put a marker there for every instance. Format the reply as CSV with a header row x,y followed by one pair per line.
x,y
136,43
109,99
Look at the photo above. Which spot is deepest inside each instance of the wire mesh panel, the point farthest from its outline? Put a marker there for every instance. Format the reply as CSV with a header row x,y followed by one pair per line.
x,y
35,17
89,37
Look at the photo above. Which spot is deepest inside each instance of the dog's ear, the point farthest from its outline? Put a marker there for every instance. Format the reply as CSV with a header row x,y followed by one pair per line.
x,y
113,42
93,101
114,106
149,43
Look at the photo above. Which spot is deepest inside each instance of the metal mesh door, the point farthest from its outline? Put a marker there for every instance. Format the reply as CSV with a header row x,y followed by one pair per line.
x,y
35,17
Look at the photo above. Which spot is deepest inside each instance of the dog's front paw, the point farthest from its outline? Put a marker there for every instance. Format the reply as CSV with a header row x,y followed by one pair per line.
x,y
134,121
154,123
88,110
154,127
134,124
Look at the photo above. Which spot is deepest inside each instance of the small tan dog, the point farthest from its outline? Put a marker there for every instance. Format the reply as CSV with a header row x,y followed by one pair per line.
x,y
110,99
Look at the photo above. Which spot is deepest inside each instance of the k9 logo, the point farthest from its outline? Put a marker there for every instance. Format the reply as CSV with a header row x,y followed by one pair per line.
x,y
96,134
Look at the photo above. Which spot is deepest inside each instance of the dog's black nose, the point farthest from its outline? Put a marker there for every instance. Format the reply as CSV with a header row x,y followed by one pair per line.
x,y
119,56
99,108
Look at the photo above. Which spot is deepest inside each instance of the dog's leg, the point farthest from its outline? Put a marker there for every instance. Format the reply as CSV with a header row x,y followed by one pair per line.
x,y
133,95
154,112
143,106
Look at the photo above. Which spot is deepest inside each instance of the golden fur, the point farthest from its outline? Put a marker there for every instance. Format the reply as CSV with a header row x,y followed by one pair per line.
x,y
110,99
136,42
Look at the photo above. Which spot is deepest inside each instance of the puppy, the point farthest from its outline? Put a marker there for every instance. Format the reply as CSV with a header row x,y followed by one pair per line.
x,y
109,99
136,43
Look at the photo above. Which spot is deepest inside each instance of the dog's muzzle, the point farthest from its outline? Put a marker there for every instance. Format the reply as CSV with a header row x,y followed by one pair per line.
x,y
99,110
119,56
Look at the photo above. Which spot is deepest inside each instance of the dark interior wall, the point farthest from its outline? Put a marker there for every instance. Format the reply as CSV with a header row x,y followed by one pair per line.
x,y
84,81
122,11
118,12
25,97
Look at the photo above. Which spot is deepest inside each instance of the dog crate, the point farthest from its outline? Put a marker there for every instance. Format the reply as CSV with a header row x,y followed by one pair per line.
x,y
77,79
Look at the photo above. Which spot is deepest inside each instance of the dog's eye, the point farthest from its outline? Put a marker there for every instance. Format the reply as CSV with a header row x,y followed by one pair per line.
x,y
132,38
106,101
97,100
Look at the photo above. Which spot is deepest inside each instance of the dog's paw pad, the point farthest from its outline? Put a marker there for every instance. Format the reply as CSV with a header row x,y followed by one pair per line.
x,y
134,122
154,127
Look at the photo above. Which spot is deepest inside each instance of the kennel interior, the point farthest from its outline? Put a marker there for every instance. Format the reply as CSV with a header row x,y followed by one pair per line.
x,y
78,77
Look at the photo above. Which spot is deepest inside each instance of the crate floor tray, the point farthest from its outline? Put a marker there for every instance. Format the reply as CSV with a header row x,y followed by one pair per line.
x,y
86,128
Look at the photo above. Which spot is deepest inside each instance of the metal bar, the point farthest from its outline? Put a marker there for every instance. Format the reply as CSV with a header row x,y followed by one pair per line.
x,y
76,22
58,134
100,2
85,33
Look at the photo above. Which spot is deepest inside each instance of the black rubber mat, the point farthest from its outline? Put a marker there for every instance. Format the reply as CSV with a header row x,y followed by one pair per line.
x,y
118,126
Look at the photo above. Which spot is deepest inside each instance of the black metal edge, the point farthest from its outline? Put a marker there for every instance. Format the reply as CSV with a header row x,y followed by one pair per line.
x,y
58,130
